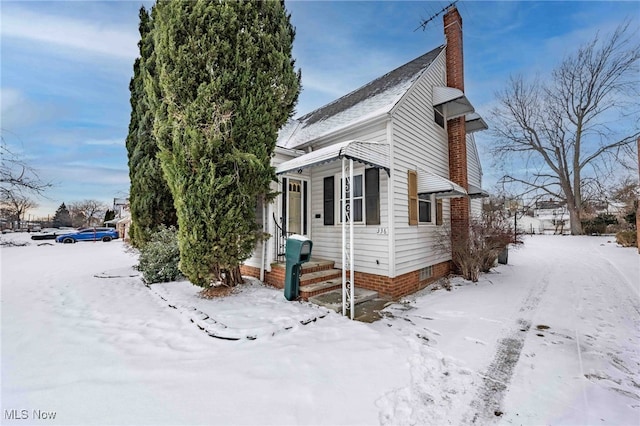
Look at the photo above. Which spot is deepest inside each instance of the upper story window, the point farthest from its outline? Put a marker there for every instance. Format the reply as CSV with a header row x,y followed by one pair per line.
x,y
438,117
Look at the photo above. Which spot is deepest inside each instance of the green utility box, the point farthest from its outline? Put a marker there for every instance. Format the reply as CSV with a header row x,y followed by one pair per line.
x,y
297,252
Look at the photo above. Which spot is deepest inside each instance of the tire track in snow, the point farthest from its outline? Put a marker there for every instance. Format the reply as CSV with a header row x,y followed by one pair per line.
x,y
495,381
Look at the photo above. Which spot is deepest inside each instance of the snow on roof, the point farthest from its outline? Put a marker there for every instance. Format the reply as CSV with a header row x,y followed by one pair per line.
x,y
371,100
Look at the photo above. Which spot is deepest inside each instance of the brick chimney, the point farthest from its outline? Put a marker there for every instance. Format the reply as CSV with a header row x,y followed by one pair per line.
x,y
456,132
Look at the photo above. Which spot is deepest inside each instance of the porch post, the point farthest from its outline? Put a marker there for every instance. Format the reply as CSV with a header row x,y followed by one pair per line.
x,y
343,219
352,277
347,245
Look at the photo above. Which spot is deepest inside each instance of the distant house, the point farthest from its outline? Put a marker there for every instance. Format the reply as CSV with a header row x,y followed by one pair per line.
x,y
404,144
546,217
122,221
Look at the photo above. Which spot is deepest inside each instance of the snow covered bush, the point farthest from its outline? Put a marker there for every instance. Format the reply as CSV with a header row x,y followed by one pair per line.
x,y
159,258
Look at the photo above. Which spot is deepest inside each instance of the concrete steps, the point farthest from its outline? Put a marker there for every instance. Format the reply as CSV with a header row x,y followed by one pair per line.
x,y
309,290
318,276
309,278
321,283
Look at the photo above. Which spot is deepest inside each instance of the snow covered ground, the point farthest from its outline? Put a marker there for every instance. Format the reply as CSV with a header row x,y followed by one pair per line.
x,y
551,338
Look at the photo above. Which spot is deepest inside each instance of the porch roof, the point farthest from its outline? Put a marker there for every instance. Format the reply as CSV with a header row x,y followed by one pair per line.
x,y
371,153
430,183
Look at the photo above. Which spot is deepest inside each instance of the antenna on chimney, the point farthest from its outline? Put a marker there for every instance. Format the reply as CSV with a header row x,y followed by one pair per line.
x,y
424,22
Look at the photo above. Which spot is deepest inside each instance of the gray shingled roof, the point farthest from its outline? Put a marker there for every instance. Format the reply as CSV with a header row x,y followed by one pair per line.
x,y
373,98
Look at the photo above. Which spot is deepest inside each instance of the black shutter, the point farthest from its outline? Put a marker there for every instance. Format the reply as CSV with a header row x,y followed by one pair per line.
x,y
329,202
372,195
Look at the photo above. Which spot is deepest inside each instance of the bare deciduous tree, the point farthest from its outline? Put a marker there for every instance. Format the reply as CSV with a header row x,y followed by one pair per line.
x,y
15,206
573,132
87,212
16,176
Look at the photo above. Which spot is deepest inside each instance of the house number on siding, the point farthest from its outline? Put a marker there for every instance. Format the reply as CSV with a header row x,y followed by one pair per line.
x,y
382,231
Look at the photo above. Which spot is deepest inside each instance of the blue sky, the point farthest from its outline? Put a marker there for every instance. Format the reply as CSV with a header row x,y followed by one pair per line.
x,y
66,66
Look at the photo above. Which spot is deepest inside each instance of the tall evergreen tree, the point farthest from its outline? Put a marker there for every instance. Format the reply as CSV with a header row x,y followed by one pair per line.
x,y
109,215
226,85
150,199
62,217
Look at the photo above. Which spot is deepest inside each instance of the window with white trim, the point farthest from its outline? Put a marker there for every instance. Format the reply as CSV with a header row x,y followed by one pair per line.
x,y
366,197
425,208
357,210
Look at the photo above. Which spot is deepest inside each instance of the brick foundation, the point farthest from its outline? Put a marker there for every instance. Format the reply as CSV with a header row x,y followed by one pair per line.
x,y
250,271
402,285
394,288
275,278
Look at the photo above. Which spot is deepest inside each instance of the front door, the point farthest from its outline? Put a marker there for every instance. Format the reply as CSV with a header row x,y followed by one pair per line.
x,y
294,202
294,206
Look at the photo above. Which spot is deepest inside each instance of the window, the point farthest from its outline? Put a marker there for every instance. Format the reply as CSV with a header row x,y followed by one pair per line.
x,y
295,186
421,208
426,273
438,117
358,197
366,198
372,195
412,178
425,205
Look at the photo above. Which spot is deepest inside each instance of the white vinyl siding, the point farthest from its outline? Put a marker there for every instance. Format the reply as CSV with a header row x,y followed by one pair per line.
x,y
371,254
418,143
474,173
371,241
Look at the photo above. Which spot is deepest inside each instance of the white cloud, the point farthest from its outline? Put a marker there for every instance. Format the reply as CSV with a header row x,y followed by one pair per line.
x,y
18,111
69,33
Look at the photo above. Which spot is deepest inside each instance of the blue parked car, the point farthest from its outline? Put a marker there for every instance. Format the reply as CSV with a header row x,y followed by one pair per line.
x,y
88,234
